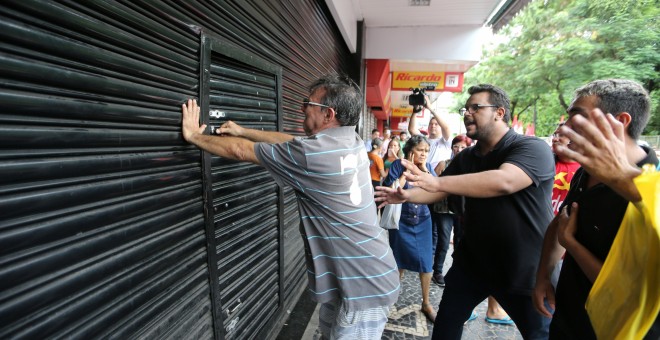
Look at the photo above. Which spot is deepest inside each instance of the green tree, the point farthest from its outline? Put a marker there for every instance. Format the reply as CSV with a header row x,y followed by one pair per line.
x,y
554,47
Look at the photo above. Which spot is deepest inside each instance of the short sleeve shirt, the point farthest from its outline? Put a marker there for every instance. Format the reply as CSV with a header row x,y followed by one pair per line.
x,y
564,172
375,167
439,150
507,228
347,253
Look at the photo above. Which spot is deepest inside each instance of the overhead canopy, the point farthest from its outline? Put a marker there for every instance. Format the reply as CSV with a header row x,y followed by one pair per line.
x,y
439,37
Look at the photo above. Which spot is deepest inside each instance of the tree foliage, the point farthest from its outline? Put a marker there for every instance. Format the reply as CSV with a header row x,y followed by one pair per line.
x,y
555,46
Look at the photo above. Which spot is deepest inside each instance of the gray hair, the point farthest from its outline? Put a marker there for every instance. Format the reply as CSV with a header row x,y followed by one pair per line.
x,y
413,142
343,95
620,95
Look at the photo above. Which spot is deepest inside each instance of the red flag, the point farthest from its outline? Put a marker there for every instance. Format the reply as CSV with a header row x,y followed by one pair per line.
x,y
517,125
530,130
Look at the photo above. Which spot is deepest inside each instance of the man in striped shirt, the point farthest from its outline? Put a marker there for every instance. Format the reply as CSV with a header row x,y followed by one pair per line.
x,y
350,268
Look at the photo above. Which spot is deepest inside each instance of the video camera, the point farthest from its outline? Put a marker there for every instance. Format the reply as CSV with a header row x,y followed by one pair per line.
x,y
417,97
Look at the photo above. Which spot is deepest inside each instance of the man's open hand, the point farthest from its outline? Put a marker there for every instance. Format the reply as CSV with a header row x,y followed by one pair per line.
x,y
190,122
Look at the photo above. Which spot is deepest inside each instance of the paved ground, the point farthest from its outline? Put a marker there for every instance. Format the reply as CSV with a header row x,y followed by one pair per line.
x,y
406,320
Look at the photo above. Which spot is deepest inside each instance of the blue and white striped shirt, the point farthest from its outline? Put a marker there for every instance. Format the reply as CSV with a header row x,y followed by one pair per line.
x,y
348,255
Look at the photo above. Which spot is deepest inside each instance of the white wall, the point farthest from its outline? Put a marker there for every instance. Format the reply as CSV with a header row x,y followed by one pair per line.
x,y
343,11
436,43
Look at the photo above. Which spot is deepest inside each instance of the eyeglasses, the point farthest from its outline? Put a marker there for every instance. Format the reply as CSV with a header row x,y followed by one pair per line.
x,y
473,108
306,102
556,134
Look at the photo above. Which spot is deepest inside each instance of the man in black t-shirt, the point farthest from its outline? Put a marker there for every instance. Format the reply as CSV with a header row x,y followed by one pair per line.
x,y
599,195
507,183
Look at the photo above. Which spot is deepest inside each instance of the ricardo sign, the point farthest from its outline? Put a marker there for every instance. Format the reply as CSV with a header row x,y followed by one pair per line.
x,y
431,81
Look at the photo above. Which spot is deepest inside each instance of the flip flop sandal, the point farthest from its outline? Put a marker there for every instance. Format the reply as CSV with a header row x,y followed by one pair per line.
x,y
504,321
473,316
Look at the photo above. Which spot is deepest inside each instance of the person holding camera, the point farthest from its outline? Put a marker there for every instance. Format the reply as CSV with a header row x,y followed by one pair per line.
x,y
439,134
440,150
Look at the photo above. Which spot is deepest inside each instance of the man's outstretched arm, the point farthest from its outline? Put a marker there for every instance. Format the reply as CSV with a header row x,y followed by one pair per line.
x,y
505,180
232,129
228,147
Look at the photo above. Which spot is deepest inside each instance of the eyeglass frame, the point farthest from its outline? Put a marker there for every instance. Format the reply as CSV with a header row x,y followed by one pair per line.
x,y
306,102
557,134
473,108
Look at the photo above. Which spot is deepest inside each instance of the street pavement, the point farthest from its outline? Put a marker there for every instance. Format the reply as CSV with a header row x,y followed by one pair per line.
x,y
406,320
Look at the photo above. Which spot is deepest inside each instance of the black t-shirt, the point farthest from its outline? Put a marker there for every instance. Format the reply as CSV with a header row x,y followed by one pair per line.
x,y
601,212
504,235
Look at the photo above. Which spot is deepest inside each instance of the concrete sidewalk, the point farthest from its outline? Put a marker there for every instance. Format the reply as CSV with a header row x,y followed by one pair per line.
x,y
406,320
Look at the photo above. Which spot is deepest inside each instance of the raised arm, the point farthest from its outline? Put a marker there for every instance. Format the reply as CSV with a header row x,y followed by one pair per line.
x,y
412,124
444,126
599,144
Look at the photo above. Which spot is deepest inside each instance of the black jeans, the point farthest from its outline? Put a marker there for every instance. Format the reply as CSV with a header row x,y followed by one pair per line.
x,y
462,294
442,224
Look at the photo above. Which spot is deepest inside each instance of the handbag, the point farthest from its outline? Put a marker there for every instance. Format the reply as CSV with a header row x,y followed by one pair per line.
x,y
391,213
624,300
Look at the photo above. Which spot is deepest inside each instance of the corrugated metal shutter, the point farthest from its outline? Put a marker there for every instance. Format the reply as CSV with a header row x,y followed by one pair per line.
x,y
245,202
101,215
102,210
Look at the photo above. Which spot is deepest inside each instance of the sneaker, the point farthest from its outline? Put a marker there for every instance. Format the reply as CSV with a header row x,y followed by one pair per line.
x,y
438,279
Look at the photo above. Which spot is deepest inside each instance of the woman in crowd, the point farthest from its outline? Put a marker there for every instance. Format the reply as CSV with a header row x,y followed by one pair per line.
x,y
412,244
376,167
394,152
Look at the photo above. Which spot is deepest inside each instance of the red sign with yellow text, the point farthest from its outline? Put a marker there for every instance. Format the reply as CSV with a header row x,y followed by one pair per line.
x,y
431,81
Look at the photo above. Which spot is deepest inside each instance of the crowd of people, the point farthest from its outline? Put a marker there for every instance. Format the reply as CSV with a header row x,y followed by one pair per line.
x,y
503,194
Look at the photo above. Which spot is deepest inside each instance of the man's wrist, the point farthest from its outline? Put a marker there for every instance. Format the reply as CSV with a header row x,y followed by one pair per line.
x,y
571,244
437,184
625,184
193,138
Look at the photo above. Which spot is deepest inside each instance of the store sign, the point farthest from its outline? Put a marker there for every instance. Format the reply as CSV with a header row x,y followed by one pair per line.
x,y
401,111
431,81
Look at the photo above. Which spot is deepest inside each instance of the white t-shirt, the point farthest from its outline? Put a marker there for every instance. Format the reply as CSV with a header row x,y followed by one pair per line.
x,y
440,150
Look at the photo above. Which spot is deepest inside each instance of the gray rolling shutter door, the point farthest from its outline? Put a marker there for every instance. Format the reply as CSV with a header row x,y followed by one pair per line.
x,y
101,210
244,200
